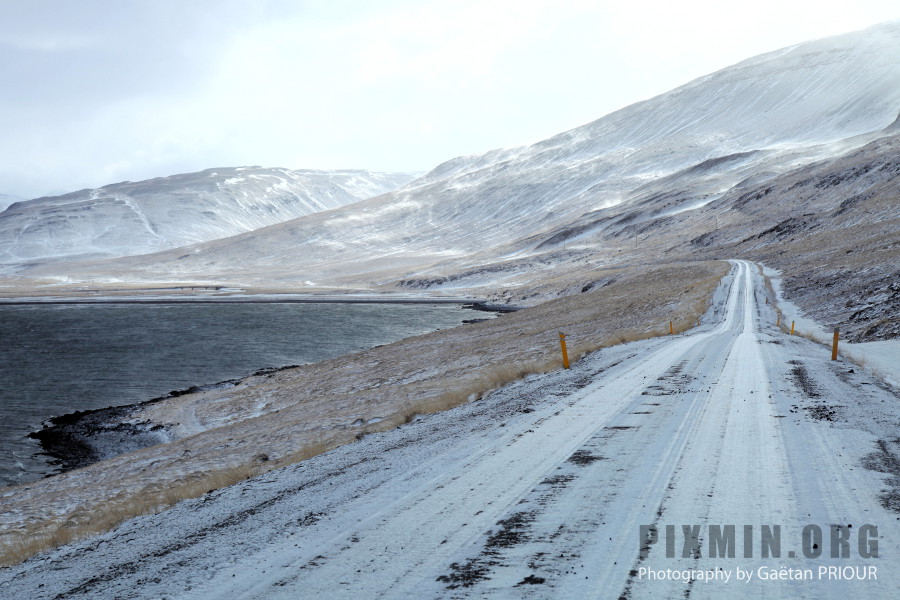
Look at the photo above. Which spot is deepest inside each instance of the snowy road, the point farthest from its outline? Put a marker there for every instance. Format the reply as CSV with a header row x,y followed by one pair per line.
x,y
575,484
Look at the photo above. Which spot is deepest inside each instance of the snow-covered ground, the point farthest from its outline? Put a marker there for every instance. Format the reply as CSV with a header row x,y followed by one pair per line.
x,y
881,357
550,486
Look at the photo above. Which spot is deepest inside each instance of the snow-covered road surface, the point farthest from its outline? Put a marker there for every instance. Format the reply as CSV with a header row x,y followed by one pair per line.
x,y
548,487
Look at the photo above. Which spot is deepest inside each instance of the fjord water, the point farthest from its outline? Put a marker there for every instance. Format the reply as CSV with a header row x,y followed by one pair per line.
x,y
56,359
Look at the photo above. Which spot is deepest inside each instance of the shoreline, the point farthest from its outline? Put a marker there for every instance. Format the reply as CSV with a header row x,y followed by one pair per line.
x,y
80,438
220,437
475,303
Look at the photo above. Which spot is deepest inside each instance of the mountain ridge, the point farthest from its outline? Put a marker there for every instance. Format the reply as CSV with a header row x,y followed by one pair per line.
x,y
178,210
469,203
664,178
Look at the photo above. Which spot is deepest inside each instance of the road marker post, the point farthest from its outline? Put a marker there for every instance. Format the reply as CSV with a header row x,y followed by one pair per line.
x,y
562,345
671,329
778,322
834,345
792,328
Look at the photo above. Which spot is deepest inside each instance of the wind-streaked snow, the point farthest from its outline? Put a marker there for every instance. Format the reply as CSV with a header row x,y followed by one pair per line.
x,y
674,154
168,212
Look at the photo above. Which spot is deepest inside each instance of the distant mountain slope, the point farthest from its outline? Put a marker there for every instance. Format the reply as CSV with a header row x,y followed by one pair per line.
x,y
168,212
6,200
674,153
788,158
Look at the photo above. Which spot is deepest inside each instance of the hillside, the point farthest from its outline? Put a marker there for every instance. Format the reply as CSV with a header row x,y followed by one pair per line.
x,y
128,218
651,181
6,200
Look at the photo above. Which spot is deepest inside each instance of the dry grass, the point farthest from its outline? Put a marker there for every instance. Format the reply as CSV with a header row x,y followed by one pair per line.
x,y
843,352
152,499
812,336
84,522
308,409
862,361
488,379
781,321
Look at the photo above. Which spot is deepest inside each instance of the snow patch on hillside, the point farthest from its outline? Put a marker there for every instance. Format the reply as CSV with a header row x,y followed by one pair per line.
x,y
168,212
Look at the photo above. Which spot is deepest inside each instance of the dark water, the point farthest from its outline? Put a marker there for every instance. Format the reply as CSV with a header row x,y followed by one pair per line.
x,y
61,358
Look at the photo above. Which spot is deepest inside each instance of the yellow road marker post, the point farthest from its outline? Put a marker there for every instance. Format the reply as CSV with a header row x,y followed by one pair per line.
x,y
565,355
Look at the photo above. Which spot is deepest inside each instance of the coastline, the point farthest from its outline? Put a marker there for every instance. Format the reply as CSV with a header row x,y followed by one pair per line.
x,y
81,436
251,298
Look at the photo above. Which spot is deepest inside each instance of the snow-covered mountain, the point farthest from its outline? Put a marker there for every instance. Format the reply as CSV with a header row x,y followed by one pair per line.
x,y
675,153
671,178
6,200
168,212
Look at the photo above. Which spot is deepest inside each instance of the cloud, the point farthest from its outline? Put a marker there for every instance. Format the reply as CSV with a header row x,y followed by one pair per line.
x,y
465,40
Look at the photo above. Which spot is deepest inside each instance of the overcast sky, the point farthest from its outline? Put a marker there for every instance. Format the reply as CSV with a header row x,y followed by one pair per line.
x,y
94,92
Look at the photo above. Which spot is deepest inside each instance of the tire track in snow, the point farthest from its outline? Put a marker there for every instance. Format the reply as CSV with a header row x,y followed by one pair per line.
x,y
456,508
